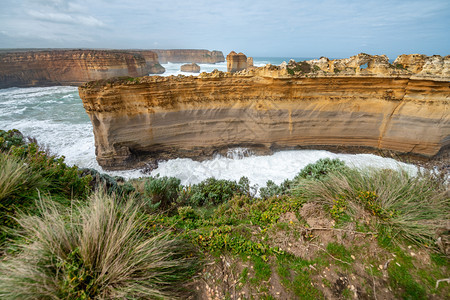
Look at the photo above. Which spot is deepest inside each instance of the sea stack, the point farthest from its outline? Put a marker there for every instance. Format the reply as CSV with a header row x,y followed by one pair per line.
x,y
192,68
249,62
236,61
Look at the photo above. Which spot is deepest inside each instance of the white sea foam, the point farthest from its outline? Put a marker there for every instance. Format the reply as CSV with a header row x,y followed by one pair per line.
x,y
259,169
56,117
174,68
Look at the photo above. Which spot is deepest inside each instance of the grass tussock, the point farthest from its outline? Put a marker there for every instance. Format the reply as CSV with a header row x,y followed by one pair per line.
x,y
404,206
15,176
97,251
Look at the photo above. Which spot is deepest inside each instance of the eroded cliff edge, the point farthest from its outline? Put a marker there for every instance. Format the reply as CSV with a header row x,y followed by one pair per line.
x,y
72,67
189,56
360,102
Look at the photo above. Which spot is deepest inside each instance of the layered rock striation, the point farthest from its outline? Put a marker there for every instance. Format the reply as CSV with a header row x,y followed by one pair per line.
x,y
189,56
72,67
151,59
367,103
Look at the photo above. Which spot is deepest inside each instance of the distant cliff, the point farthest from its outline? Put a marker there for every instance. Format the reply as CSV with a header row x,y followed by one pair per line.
x,y
72,67
360,102
189,56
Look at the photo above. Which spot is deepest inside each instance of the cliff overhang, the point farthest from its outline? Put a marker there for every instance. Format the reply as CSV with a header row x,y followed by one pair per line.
x,y
372,105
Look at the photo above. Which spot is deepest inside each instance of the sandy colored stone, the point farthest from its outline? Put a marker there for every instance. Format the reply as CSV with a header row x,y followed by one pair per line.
x,y
249,62
72,67
193,68
236,61
266,109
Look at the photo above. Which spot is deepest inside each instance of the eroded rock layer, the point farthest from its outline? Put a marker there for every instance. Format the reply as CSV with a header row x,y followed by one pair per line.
x,y
189,56
72,67
265,109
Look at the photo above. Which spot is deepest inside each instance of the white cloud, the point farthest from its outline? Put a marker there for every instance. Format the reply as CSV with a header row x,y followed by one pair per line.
x,y
264,27
59,17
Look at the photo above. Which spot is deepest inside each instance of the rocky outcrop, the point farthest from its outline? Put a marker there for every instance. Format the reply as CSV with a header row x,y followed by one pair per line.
x,y
192,68
424,65
376,106
71,67
151,58
236,61
249,62
189,56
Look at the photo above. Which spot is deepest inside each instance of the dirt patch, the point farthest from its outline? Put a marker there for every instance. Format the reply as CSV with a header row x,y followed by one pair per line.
x,y
315,216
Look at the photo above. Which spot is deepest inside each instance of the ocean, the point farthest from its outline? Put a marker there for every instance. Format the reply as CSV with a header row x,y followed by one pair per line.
x,y
56,118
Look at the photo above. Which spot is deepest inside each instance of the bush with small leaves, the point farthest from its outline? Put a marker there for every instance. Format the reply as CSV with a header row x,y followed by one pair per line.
x,y
162,191
322,168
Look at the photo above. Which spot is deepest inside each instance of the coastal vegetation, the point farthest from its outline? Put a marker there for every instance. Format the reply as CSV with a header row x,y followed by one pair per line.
x,y
332,232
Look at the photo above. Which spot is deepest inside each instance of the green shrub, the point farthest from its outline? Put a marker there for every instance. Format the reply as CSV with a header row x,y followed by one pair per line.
x,y
61,179
109,183
187,212
95,251
321,168
339,207
162,191
268,211
272,189
214,191
11,138
226,238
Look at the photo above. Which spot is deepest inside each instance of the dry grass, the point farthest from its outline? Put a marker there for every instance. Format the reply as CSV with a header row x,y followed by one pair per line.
x,y
409,207
96,251
15,176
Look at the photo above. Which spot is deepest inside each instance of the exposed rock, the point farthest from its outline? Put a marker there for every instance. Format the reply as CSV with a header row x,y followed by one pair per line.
x,y
236,61
71,67
151,58
361,63
410,62
249,62
189,56
193,68
267,108
423,65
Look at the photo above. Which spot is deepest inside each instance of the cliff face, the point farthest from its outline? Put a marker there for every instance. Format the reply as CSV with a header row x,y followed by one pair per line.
x,y
265,109
151,58
71,67
189,56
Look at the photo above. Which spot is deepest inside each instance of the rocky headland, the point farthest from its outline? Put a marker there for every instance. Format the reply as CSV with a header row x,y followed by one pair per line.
x,y
189,56
72,67
362,102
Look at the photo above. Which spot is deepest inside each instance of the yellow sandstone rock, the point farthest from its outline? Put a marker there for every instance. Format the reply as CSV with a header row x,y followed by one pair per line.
x,y
378,106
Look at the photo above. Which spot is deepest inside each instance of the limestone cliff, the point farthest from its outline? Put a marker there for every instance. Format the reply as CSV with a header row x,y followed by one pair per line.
x,y
376,106
189,56
72,67
152,60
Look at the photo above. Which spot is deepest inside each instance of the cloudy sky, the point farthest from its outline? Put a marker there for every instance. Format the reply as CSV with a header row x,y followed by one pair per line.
x,y
295,28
